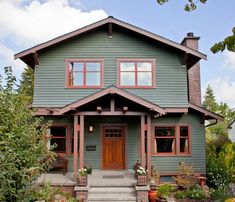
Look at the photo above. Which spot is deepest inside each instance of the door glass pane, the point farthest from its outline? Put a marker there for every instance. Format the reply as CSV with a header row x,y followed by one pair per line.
x,y
144,79
127,79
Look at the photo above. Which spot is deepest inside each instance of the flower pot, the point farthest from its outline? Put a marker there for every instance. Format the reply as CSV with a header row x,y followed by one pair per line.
x,y
142,180
82,180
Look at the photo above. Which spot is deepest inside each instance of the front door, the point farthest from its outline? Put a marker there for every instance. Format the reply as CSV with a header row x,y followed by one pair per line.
x,y
113,147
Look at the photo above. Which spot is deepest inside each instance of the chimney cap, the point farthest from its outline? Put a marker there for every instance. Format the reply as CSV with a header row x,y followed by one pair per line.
x,y
190,34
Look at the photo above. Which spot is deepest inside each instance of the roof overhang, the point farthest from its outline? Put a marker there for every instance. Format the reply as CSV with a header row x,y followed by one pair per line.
x,y
112,90
207,114
30,56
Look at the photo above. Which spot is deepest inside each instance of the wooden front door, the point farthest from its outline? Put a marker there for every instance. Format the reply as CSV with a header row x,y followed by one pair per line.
x,y
113,147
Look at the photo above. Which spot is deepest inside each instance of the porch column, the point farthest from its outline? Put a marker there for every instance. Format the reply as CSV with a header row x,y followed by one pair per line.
x,y
75,146
81,141
149,144
142,140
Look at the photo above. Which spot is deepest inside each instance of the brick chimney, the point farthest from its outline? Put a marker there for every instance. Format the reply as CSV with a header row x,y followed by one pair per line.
x,y
194,82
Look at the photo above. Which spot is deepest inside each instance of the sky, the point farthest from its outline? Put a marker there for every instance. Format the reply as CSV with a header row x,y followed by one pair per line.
x,y
25,23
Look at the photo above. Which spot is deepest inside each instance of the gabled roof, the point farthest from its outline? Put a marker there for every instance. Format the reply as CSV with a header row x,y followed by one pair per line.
x,y
230,125
208,114
112,90
29,56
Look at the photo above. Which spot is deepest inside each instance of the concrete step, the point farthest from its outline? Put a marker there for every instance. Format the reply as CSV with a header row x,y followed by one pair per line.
x,y
102,190
111,197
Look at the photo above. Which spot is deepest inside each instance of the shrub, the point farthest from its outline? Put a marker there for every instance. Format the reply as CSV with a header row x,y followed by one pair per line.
x,y
164,190
219,194
218,175
194,193
24,154
187,177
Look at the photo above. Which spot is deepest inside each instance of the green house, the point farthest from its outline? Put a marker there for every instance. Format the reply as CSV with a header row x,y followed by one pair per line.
x,y
117,94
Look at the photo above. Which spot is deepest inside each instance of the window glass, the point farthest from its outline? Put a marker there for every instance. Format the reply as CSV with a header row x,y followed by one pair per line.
x,y
184,146
144,79
127,79
58,138
136,74
78,66
164,131
183,131
92,66
85,74
144,66
92,78
127,66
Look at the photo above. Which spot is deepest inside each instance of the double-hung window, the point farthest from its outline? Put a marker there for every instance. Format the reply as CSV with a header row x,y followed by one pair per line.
x,y
58,137
136,73
172,140
84,73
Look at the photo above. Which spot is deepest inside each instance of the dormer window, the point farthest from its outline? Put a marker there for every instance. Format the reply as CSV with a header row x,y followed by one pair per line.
x,y
84,73
136,73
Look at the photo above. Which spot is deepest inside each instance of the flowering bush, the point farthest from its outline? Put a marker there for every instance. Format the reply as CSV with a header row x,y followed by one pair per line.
x,y
218,175
141,171
82,172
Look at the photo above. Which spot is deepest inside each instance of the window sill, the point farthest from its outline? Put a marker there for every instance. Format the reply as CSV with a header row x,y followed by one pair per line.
x,y
170,155
84,87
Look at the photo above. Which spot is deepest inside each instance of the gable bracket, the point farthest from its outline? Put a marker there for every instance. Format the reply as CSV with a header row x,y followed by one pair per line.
x,y
36,58
110,30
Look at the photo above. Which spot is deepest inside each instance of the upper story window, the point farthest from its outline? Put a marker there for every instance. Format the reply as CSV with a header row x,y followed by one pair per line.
x,y
85,73
172,140
136,73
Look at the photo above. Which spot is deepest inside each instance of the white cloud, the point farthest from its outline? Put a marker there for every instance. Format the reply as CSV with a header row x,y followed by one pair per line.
x,y
7,59
224,90
35,22
229,60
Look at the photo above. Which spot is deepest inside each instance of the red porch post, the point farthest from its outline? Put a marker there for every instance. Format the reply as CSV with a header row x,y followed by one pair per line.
x,y
75,147
149,144
81,141
142,140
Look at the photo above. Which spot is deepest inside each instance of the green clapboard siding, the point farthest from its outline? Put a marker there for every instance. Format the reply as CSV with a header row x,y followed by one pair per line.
x,y
198,157
50,76
163,164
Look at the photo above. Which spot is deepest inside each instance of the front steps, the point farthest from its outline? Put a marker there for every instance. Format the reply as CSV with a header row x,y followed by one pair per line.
x,y
98,194
109,186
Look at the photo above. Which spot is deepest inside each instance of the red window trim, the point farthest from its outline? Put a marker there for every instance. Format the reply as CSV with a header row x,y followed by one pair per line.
x,y
85,60
177,140
68,139
135,60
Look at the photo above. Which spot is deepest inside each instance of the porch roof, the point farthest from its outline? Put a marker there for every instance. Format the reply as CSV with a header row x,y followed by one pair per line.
x,y
112,90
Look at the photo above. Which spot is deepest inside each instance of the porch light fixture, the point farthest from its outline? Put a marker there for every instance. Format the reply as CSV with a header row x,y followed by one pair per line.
x,y
91,128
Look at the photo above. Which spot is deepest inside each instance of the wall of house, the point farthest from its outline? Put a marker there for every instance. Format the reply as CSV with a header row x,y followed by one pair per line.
x,y
169,165
231,132
50,76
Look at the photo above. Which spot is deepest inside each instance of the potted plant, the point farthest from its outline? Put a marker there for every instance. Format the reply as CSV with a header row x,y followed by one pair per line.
x,y
89,169
82,177
141,176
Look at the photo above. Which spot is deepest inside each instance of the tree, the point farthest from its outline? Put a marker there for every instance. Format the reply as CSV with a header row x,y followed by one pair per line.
x,y
209,100
24,154
227,44
26,84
